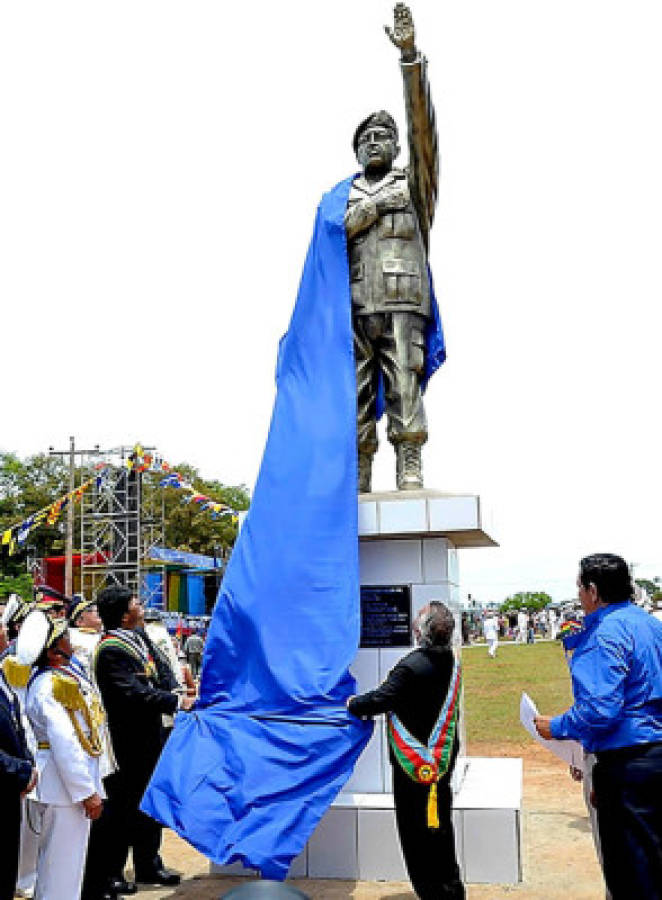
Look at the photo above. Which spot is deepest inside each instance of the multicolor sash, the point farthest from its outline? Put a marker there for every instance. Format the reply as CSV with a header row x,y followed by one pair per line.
x,y
428,764
117,638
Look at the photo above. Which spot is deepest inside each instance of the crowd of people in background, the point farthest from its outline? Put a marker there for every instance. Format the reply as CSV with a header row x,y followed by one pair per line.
x,y
88,692
521,626
528,626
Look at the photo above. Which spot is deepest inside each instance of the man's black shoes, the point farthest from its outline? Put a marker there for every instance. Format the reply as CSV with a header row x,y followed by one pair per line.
x,y
158,876
122,887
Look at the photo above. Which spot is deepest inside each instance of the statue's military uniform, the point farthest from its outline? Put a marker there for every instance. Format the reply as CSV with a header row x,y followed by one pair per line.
x,y
388,226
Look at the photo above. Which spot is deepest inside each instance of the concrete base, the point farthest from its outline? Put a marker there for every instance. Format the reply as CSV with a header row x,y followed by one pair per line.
x,y
357,838
391,514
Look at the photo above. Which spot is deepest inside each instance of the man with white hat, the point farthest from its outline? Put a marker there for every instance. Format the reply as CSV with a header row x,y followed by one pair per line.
x,y
66,715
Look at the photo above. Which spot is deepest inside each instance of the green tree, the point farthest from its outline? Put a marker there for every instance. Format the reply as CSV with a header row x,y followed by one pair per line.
x,y
15,584
651,587
531,600
26,486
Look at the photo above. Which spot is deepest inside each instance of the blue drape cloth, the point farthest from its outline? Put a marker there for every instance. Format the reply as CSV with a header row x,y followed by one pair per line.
x,y
249,773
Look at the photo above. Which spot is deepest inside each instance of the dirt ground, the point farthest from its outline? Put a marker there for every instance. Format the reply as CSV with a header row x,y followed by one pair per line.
x,y
558,856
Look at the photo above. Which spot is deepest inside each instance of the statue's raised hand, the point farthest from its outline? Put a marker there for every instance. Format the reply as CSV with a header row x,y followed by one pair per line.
x,y
402,33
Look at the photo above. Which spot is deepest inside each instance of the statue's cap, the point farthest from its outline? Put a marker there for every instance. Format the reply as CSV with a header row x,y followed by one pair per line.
x,y
375,119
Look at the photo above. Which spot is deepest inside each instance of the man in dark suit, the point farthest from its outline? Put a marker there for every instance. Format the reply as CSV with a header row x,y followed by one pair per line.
x,y
136,693
421,698
17,778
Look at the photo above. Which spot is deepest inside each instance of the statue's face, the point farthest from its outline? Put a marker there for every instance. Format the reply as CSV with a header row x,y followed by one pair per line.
x,y
377,148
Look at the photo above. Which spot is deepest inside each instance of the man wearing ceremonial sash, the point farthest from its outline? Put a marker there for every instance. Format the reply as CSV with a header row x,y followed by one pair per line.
x,y
132,682
421,698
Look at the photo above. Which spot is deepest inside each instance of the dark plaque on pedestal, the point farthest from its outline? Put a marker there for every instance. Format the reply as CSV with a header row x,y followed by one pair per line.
x,y
386,616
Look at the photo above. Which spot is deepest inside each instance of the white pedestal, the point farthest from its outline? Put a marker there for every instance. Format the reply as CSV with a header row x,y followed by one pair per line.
x,y
412,539
357,838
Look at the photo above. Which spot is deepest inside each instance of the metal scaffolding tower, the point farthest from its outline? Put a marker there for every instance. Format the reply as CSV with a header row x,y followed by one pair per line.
x,y
118,528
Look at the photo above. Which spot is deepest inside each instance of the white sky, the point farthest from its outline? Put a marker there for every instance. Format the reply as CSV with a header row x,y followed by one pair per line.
x,y
160,167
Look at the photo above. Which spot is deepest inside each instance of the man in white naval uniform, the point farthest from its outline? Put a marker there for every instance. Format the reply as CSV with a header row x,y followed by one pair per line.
x,y
65,716
522,625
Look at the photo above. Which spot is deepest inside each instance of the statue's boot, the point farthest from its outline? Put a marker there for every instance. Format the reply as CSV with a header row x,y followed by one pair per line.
x,y
365,473
408,466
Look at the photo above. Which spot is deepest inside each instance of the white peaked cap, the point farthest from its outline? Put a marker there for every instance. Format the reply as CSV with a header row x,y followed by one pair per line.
x,y
13,603
33,637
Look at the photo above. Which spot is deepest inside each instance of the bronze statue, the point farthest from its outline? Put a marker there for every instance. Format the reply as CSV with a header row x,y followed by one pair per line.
x,y
388,221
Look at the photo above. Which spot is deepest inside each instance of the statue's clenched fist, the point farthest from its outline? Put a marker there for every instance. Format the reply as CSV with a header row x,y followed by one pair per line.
x,y
402,33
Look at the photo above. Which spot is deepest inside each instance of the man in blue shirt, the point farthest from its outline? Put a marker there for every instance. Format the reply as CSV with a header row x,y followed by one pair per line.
x,y
616,671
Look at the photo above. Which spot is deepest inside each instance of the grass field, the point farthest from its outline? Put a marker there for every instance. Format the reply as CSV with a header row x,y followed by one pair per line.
x,y
493,687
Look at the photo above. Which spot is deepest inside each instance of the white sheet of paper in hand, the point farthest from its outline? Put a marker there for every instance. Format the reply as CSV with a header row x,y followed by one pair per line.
x,y
569,751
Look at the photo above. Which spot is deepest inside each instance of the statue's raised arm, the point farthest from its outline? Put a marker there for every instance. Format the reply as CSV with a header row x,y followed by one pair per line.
x,y
421,124
402,34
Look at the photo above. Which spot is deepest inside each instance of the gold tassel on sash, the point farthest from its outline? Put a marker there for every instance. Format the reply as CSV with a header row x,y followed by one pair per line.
x,y
433,810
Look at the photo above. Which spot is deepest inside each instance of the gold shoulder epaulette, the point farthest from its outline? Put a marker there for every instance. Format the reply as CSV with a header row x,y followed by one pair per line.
x,y
67,692
16,674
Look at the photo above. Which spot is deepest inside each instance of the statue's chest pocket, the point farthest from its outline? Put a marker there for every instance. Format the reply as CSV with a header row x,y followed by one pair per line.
x,y
397,225
402,280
